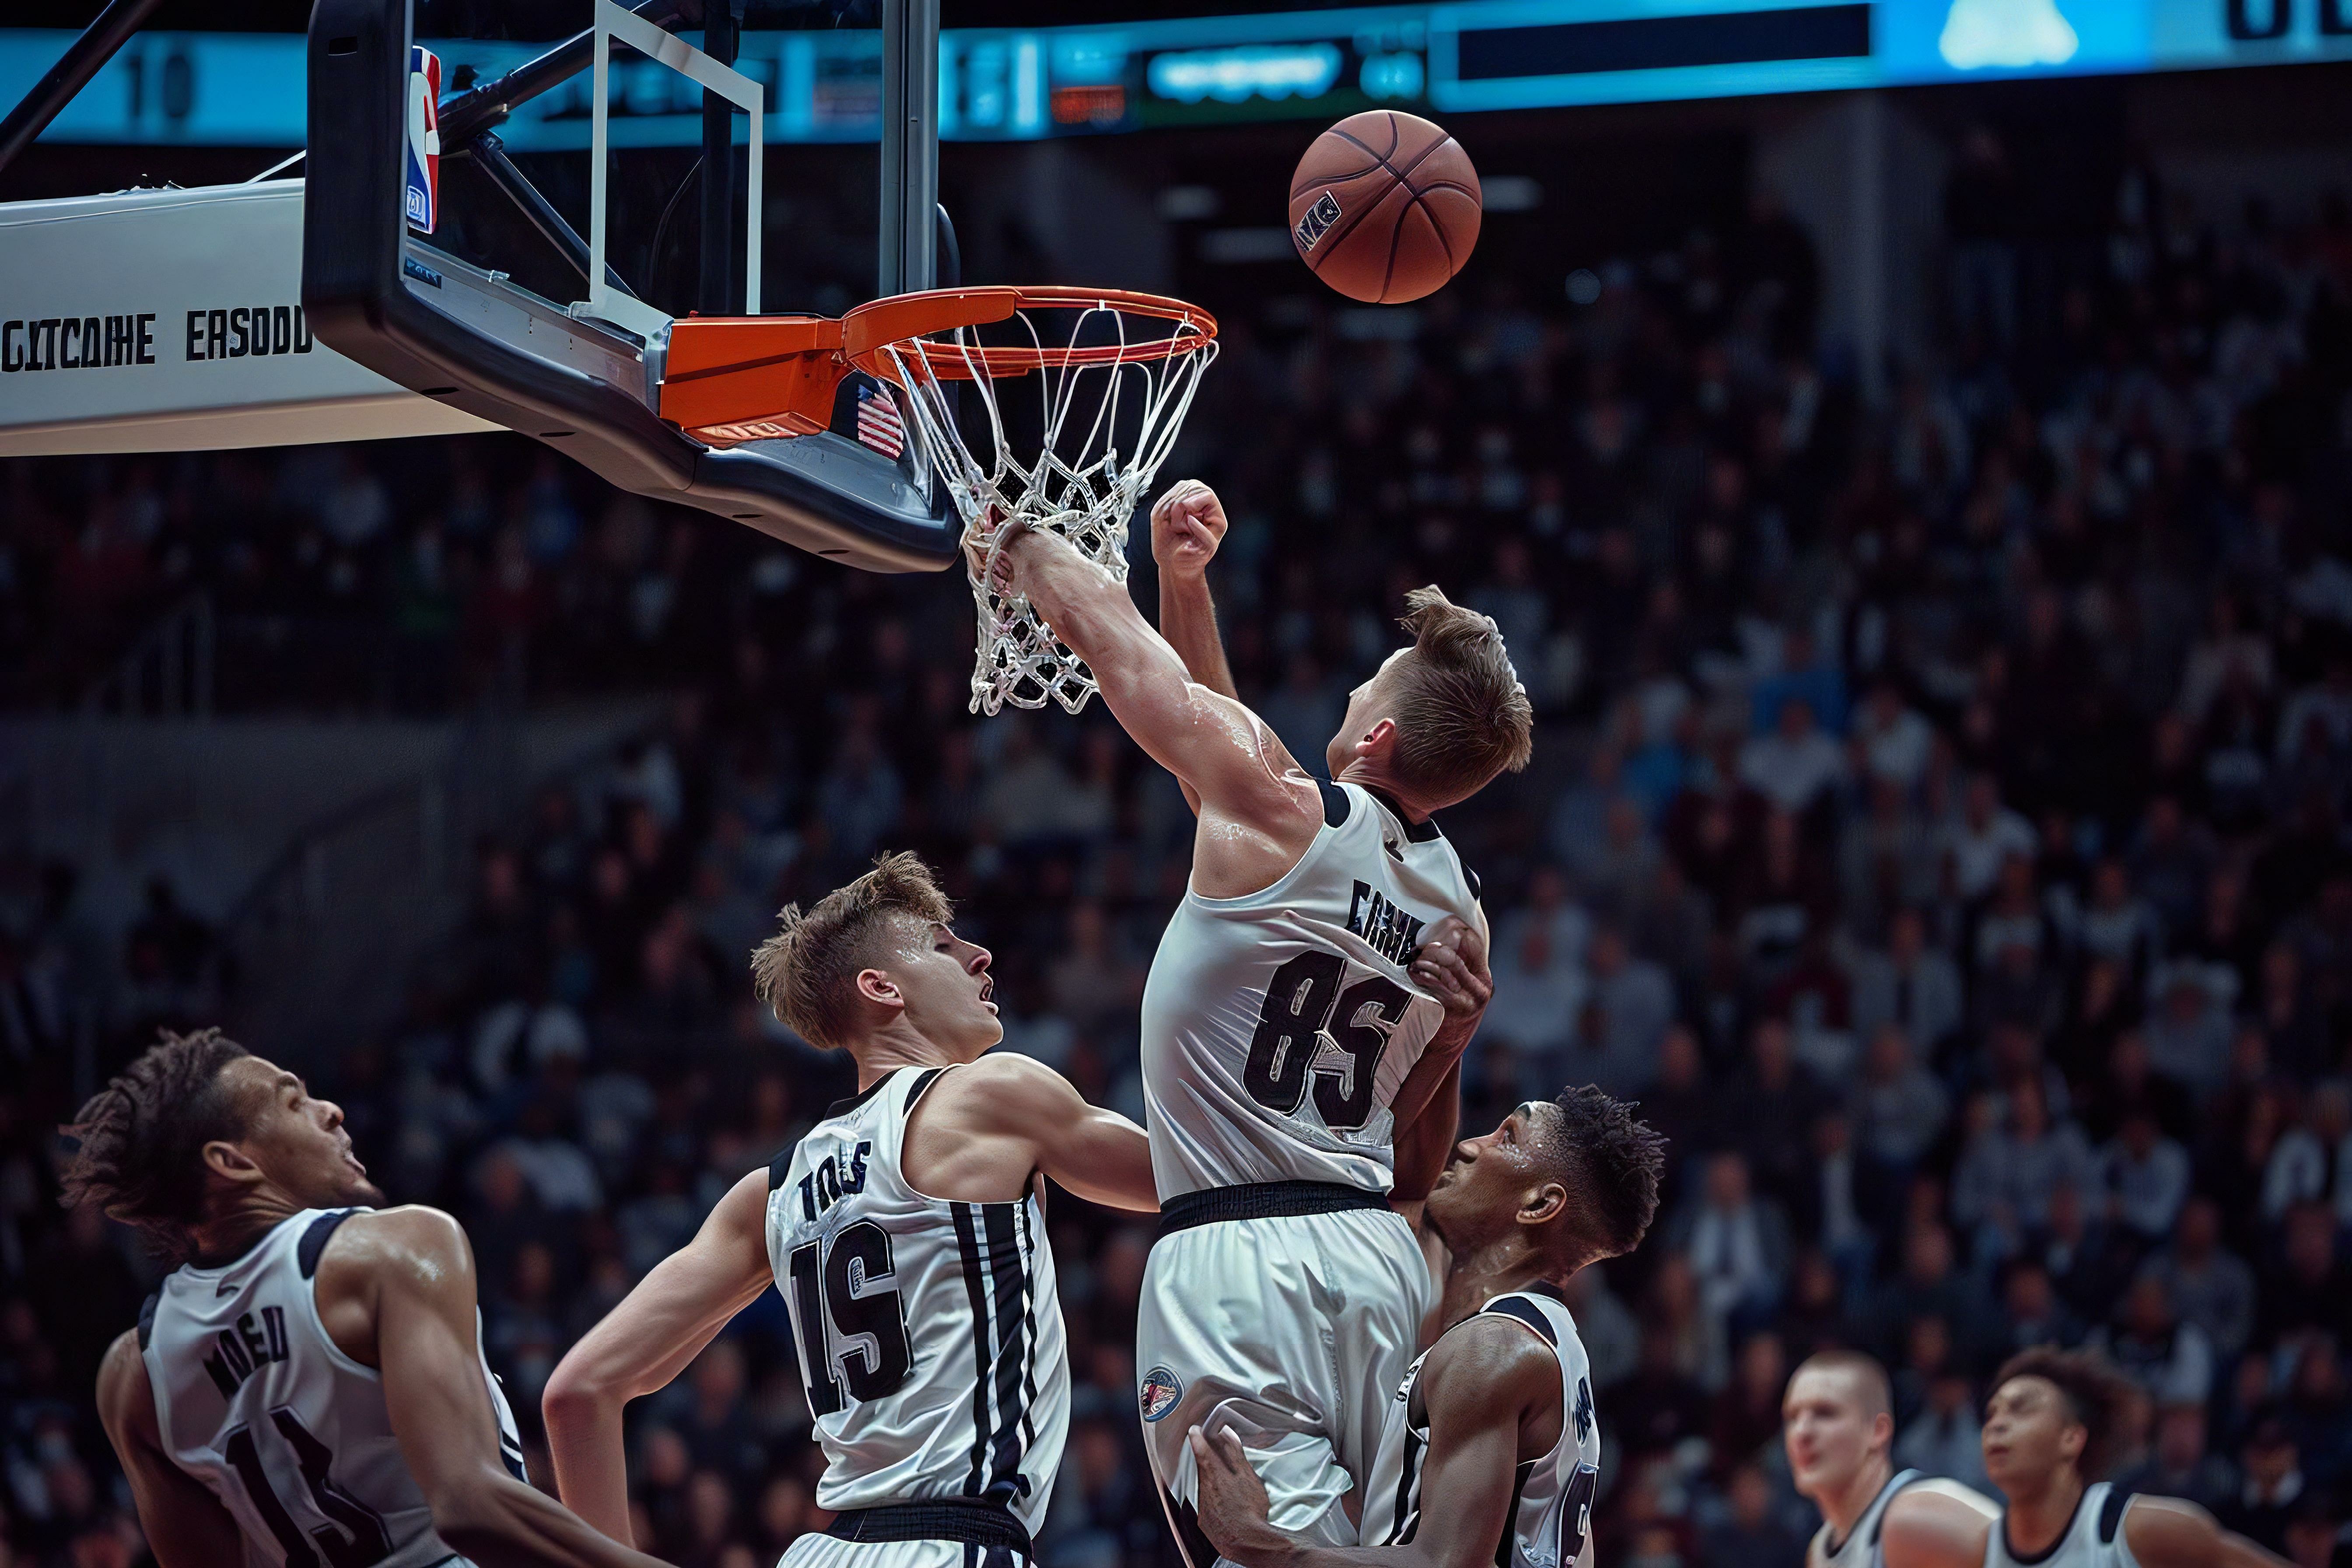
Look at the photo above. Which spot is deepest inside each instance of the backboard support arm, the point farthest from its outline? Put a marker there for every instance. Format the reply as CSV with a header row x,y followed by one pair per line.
x,y
107,33
910,146
723,29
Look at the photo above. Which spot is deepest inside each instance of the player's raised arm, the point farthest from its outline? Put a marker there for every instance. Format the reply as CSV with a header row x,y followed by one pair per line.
x,y
411,1272
1224,754
1188,524
645,1342
979,1135
1493,1396
187,1526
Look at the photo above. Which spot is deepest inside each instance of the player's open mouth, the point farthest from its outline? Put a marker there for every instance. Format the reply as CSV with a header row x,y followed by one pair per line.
x,y
987,994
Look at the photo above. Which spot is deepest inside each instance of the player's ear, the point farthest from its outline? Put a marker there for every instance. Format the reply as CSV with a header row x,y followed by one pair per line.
x,y
229,1163
1882,1429
1377,741
876,986
1544,1205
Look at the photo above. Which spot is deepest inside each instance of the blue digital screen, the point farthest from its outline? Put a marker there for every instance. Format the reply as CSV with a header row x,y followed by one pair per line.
x,y
245,90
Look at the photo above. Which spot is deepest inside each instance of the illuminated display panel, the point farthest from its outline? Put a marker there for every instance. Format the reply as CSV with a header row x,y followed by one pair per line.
x,y
245,90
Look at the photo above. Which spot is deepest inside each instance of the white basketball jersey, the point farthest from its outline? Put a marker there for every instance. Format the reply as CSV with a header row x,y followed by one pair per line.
x,y
257,1402
2094,1538
1860,1549
1551,1503
1277,1028
929,1333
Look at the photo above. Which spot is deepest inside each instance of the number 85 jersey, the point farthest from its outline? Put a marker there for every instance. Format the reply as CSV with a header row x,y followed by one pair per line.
x,y
1277,1028
929,1333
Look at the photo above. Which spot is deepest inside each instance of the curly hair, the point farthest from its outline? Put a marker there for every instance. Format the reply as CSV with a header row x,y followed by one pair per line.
x,y
806,973
142,1137
1612,1161
2096,1394
1462,716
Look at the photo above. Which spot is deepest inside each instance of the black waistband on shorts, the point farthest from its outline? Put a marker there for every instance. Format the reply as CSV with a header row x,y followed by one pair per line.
x,y
940,1519
1264,1200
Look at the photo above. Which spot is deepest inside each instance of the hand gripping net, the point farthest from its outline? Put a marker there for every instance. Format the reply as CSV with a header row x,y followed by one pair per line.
x,y
1115,375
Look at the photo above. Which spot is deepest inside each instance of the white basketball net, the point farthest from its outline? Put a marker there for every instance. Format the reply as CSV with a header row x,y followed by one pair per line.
x,y
1080,485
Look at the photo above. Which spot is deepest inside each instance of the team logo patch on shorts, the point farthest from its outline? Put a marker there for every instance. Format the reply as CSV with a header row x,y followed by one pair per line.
x,y
1160,1392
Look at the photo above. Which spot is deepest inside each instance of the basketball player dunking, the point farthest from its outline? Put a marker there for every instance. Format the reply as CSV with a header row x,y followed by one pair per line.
x,y
906,1236
308,1384
1310,999
1837,1423
2048,1428
1491,1451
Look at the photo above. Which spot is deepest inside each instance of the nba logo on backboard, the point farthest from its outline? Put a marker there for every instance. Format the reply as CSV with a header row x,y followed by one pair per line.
x,y
423,201
1318,220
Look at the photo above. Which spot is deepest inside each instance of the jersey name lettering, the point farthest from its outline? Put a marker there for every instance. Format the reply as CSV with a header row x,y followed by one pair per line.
x,y
1390,932
833,1178
246,1348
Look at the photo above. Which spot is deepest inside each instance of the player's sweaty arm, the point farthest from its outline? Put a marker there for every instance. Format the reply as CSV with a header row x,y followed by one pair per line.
x,y
1492,1392
652,1336
396,1292
1259,810
1937,1524
2170,1533
1188,523
1450,966
187,1526
983,1131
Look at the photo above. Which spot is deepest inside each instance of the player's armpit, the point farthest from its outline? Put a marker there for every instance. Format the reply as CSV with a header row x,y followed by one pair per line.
x,y
184,1524
417,1268
1937,1524
643,1343
980,1134
2170,1533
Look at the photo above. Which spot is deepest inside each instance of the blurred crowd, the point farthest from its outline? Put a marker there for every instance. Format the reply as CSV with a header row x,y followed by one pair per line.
x,y
1937,823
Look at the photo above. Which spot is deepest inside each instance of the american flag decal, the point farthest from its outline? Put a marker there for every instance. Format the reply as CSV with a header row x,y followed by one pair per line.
x,y
879,424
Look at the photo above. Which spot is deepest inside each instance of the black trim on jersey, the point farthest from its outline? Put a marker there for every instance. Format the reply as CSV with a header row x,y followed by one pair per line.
x,y
1478,887
1408,1515
1008,1285
1528,1313
976,1289
1029,1364
976,1524
1511,1520
930,1076
2047,1553
147,1317
1184,1519
1336,803
313,1244
780,1169
1265,1200
1895,1483
2111,1514
1545,1288
844,1106
1420,832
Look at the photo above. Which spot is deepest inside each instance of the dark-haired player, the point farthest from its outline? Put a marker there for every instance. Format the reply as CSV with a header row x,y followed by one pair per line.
x,y
2047,1430
906,1236
308,1385
1837,1421
1311,997
1490,1452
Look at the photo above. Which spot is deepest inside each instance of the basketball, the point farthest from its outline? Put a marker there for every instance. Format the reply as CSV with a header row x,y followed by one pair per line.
x,y
1385,208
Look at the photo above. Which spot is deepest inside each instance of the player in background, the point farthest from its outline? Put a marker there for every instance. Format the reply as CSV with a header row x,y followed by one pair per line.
x,y
1491,1449
906,1235
308,1384
1310,1000
2047,1428
1837,1421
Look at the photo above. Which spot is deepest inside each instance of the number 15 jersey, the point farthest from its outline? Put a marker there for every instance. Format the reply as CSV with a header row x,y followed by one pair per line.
x,y
1278,1026
929,1333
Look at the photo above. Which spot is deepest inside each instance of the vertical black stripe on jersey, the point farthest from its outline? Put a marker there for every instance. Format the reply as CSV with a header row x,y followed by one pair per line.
x,y
1009,1292
1408,1507
1511,1520
975,1284
1029,1364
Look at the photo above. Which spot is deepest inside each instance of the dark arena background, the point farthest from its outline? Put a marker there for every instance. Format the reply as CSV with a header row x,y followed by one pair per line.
x,y
1919,502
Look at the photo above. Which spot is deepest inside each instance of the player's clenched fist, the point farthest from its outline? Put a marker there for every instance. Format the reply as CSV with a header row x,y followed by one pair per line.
x,y
1450,966
1188,523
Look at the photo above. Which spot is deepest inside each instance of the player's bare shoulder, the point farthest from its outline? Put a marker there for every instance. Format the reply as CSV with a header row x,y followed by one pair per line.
x,y
1937,1523
1490,1362
126,1401
413,1250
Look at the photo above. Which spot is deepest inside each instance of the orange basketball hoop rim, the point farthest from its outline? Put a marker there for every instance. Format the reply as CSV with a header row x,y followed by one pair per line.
x,y
909,323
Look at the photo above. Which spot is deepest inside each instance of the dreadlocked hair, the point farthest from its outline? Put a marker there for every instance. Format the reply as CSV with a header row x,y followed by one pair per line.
x,y
142,1137
806,973
1462,715
1616,1162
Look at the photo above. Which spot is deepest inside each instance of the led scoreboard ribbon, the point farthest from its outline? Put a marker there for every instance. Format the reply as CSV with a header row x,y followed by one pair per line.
x,y
246,88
